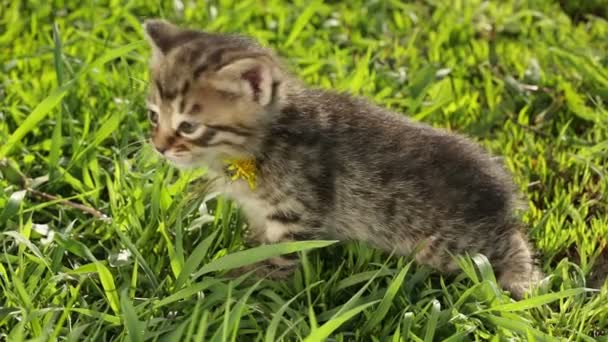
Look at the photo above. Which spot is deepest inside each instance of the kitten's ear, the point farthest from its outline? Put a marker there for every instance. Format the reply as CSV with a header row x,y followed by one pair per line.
x,y
251,77
160,34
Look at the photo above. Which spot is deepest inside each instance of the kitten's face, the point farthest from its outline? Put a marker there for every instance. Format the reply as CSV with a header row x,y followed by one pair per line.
x,y
193,123
208,94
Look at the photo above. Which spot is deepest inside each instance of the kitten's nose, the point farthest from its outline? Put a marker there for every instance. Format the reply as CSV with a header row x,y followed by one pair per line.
x,y
163,140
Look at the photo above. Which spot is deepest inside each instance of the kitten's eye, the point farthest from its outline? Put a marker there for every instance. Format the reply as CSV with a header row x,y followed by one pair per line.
x,y
153,116
186,127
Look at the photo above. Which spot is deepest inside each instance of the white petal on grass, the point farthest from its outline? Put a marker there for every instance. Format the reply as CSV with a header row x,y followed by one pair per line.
x,y
48,239
123,257
212,12
331,23
441,73
203,210
402,74
200,221
178,5
42,229
119,100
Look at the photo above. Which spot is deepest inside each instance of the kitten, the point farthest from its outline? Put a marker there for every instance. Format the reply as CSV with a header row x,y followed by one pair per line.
x,y
328,165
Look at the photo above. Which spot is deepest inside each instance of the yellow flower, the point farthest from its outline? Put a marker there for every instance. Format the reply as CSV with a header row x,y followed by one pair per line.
x,y
243,169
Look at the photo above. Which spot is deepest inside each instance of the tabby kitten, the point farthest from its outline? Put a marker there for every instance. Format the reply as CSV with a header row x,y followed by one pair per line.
x,y
328,165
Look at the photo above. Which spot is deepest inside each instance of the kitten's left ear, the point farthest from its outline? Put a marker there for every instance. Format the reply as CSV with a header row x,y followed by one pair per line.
x,y
252,77
161,35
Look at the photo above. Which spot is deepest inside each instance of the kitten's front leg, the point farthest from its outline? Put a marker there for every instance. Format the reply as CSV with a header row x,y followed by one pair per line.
x,y
280,229
277,228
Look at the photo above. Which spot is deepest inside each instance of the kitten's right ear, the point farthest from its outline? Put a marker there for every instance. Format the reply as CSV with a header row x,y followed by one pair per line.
x,y
160,34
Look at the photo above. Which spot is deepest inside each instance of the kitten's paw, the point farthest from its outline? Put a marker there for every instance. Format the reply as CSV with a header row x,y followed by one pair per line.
x,y
278,273
274,268
518,272
522,283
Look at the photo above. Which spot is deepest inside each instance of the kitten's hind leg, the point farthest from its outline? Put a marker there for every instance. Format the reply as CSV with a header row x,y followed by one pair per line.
x,y
517,271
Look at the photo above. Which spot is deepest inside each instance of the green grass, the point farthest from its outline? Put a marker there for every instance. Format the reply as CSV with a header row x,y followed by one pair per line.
x,y
519,76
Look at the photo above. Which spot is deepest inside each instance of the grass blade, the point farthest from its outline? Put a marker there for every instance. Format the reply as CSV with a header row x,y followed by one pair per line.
x,y
39,113
330,326
239,309
44,107
387,300
519,327
257,254
174,261
135,328
537,301
202,328
107,282
195,259
406,324
12,207
115,320
187,292
459,336
431,324
107,128
276,317
26,242
301,22
57,140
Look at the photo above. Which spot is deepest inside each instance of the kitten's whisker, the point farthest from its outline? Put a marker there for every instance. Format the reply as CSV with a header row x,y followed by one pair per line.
x,y
133,145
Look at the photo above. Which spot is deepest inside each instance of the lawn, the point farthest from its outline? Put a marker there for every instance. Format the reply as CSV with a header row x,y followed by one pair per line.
x,y
101,240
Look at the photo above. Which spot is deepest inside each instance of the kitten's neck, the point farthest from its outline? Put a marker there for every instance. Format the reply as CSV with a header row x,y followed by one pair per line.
x,y
287,95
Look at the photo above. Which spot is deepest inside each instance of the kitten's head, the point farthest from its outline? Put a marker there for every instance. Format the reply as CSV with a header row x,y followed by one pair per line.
x,y
209,94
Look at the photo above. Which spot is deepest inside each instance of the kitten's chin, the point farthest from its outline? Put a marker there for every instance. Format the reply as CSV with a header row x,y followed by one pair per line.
x,y
184,165
214,161
184,162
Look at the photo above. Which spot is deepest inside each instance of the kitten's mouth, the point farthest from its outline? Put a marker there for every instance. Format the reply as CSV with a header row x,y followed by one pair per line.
x,y
181,160
178,159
